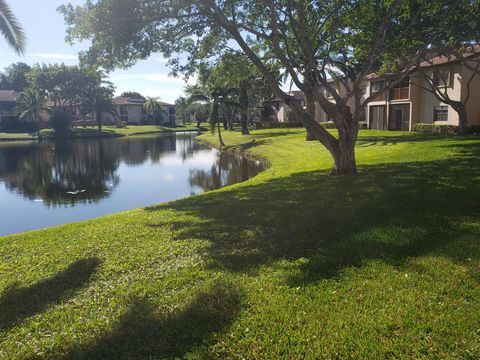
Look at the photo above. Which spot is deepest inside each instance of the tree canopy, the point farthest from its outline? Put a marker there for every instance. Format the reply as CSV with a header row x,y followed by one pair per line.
x,y
14,77
313,41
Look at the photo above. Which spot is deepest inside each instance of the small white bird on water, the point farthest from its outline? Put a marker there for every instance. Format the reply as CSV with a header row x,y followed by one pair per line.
x,y
76,192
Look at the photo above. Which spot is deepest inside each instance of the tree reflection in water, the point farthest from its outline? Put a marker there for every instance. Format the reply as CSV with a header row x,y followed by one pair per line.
x,y
70,172
227,169
52,171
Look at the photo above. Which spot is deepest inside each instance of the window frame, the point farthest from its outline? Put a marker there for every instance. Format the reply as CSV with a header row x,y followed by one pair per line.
x,y
444,112
436,78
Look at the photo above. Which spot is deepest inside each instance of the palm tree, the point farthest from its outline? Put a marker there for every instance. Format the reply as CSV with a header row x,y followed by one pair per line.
x,y
153,108
11,29
217,97
32,104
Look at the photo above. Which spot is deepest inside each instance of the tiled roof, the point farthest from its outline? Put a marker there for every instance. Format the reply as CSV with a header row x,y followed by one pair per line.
x,y
297,95
123,100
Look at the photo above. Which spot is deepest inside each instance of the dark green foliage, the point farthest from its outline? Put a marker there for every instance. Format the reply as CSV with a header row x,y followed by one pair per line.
x,y
60,122
328,124
435,129
132,94
14,77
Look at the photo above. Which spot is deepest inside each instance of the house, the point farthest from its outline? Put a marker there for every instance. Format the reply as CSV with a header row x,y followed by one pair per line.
x,y
280,110
131,111
409,102
8,101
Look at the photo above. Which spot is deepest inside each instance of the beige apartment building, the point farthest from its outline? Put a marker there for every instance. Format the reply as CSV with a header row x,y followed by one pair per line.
x,y
409,103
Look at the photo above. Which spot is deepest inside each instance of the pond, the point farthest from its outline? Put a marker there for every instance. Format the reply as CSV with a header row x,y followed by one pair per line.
x,y
57,182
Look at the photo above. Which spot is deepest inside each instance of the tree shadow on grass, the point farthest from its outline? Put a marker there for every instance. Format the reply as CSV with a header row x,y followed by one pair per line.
x,y
366,140
17,304
144,333
388,211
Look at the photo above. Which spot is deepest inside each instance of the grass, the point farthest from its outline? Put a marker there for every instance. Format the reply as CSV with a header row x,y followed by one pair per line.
x,y
107,131
16,136
293,263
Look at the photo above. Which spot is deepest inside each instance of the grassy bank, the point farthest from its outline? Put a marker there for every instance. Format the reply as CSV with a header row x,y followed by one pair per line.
x,y
16,136
293,263
92,132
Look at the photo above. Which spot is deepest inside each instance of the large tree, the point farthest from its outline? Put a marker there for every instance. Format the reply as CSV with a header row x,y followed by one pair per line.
x,y
153,108
63,83
14,77
314,41
32,105
132,94
235,70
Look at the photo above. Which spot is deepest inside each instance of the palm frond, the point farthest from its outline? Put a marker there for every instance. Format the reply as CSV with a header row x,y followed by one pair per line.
x,y
11,29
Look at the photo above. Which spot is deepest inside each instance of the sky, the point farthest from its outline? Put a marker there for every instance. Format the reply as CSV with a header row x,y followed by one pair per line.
x,y
45,31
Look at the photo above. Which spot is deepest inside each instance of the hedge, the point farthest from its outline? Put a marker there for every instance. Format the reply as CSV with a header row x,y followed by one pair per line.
x,y
435,128
277,125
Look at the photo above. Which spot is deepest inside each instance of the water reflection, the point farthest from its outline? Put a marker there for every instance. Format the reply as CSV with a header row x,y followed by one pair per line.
x,y
54,182
227,169
60,172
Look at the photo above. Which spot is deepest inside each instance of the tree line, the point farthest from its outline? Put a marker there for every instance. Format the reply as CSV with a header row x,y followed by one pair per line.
x,y
59,92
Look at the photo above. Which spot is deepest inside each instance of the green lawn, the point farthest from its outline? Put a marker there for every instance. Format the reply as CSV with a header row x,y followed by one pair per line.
x,y
148,129
16,136
293,263
107,131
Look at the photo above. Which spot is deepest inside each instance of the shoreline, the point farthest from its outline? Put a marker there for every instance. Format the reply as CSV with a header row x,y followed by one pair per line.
x,y
82,133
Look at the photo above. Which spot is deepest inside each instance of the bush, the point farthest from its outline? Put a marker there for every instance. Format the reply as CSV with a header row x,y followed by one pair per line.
x,y
328,125
121,124
442,129
60,122
474,129
292,117
277,125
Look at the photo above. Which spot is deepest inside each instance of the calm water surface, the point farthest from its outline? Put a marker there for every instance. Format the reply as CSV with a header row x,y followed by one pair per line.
x,y
57,182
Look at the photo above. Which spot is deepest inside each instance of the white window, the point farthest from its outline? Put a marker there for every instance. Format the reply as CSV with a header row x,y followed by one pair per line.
x,y
441,77
440,113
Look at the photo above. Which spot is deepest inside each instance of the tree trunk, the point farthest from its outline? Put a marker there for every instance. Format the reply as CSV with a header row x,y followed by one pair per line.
x,y
310,107
244,121
243,98
219,133
98,116
344,155
462,118
341,149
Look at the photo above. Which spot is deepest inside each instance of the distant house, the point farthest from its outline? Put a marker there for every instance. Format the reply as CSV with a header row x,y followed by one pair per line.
x,y
131,111
8,100
281,111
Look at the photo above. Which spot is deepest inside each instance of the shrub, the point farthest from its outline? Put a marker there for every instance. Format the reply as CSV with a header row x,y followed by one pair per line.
x,y
442,129
121,124
60,122
328,125
292,118
277,125
474,129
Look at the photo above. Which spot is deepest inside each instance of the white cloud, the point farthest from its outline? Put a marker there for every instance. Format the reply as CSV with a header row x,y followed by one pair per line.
x,y
55,56
162,60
